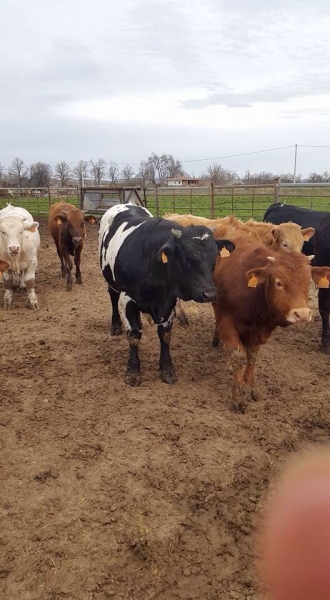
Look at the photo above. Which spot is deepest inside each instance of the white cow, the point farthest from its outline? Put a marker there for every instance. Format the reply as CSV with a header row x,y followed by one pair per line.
x,y
19,243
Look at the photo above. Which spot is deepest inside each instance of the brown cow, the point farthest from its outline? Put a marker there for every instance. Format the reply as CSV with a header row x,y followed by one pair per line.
x,y
258,290
3,267
66,223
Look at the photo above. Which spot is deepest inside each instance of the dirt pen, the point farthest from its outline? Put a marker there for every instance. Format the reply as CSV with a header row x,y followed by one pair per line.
x,y
141,493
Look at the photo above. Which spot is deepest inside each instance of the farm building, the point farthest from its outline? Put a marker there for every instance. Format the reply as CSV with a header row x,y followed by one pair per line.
x,y
183,181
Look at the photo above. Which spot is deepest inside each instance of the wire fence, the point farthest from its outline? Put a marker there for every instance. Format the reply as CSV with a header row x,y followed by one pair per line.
x,y
244,201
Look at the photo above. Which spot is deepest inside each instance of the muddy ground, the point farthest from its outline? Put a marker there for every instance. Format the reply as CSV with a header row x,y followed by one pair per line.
x,y
154,492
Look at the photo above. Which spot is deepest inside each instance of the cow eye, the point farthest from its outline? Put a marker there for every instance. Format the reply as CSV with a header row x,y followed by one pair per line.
x,y
3,232
285,244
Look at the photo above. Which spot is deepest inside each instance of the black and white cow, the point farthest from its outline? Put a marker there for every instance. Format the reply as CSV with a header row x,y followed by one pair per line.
x,y
148,263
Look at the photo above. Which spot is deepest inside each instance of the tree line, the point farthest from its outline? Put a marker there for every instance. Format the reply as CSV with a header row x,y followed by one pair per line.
x,y
156,169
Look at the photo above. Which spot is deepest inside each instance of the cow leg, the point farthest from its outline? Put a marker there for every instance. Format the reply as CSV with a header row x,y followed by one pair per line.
x,y
115,328
28,281
77,256
68,265
63,267
8,285
181,315
324,309
167,371
227,332
132,320
216,339
251,355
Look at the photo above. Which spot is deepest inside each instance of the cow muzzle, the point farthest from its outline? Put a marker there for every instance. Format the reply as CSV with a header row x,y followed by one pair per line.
x,y
299,315
208,296
13,250
77,241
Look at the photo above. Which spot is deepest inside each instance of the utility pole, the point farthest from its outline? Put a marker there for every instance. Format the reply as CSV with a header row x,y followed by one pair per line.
x,y
295,163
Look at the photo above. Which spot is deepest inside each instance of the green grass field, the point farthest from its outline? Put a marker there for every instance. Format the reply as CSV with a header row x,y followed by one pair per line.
x,y
242,205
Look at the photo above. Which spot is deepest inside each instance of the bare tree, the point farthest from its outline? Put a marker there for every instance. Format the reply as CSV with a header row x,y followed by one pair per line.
x,y
146,172
314,178
326,177
81,171
17,171
219,175
98,170
127,173
113,172
63,171
258,178
40,174
174,167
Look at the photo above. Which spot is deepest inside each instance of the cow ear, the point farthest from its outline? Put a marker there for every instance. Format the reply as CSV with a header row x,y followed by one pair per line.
x,y
308,233
90,219
32,227
225,247
271,237
321,276
60,219
3,266
256,276
166,252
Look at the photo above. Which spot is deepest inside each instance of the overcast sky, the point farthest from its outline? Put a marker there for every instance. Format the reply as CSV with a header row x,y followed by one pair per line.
x,y
197,79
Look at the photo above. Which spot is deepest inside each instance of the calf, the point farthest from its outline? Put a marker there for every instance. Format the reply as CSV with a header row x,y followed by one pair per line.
x,y
66,224
148,263
19,243
258,290
283,213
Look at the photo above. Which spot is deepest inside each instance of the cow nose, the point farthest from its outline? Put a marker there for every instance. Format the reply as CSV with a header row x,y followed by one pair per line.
x,y
14,249
209,296
77,240
300,315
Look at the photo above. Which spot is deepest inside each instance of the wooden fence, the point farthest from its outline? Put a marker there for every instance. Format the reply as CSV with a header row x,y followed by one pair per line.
x,y
244,201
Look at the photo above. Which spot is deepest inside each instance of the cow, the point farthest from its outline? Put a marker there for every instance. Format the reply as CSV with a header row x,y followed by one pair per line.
x,y
283,213
322,258
289,236
66,224
286,235
148,263
19,243
258,290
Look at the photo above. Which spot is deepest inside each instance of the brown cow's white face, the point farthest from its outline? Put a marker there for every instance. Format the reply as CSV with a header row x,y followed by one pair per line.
x,y
291,237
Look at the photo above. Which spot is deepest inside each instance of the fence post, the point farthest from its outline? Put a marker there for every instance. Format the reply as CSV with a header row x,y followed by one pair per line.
x,y
156,200
191,202
212,200
18,195
252,202
276,190
173,199
48,198
312,197
232,200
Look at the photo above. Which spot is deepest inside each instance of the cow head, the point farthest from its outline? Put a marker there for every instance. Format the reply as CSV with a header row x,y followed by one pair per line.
x,y
190,255
291,237
12,231
286,278
75,219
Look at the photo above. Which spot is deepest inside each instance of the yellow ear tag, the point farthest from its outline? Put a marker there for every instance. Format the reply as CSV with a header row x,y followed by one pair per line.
x,y
253,281
323,282
164,258
224,252
58,221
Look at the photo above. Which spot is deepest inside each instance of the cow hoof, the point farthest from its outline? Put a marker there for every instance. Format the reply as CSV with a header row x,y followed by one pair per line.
x,y
79,281
255,394
325,348
116,330
239,407
68,288
168,376
133,379
215,342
